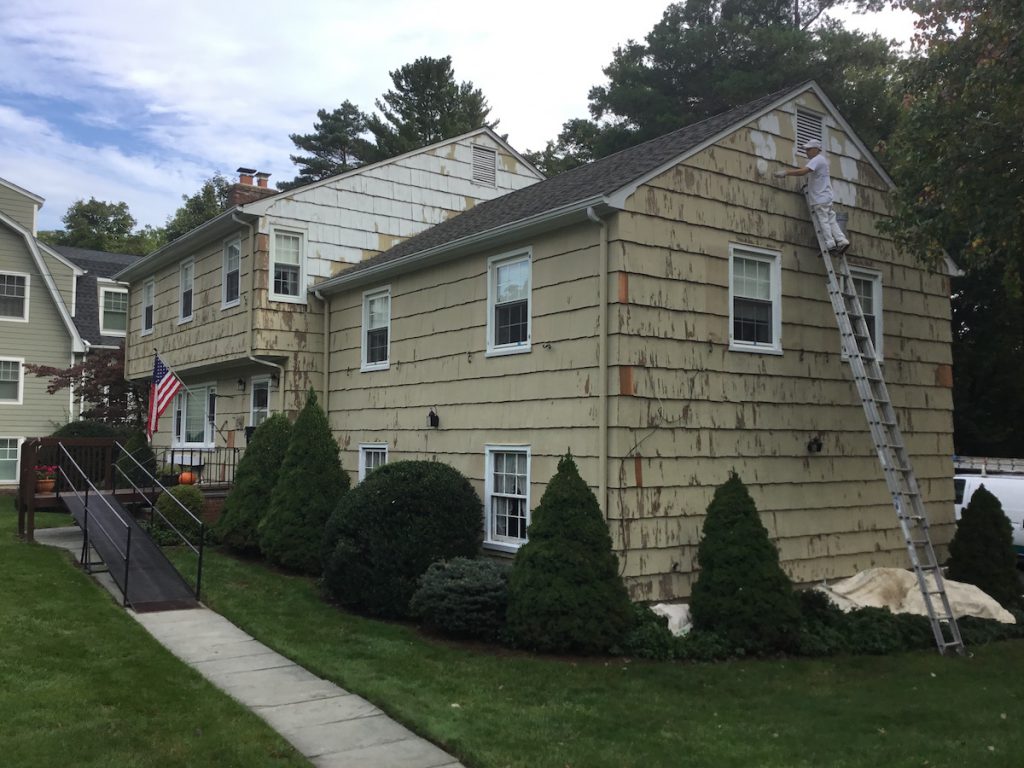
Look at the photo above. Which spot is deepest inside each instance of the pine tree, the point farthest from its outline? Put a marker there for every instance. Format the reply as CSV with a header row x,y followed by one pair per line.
x,y
255,478
336,145
565,593
308,488
981,552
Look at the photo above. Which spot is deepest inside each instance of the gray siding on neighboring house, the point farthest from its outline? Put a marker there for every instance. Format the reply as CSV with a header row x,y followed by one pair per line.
x,y
18,207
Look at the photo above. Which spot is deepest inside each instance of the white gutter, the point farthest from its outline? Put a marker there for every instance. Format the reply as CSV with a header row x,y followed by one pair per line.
x,y
602,360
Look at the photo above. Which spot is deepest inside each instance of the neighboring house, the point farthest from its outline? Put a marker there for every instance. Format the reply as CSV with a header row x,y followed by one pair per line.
x,y
228,305
662,313
55,305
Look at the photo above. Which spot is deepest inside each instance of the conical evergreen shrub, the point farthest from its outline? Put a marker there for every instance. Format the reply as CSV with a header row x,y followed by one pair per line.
x,y
255,478
981,552
309,485
565,593
741,593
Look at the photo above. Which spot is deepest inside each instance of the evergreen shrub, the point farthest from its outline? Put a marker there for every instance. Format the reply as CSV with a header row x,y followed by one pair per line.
x,y
308,486
741,592
255,478
189,496
463,598
88,428
650,637
385,533
140,473
981,552
565,593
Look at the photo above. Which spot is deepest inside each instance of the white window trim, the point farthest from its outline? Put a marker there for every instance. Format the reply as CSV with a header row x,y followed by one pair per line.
x,y
489,451
252,394
798,150
224,302
301,298
17,459
21,379
150,283
112,289
775,260
386,363
363,447
496,350
181,290
209,429
876,283
28,294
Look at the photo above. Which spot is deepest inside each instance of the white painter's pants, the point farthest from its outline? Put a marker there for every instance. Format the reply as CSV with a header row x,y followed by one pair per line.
x,y
829,227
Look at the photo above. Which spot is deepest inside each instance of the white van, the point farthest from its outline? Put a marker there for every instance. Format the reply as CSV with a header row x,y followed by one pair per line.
x,y
1009,489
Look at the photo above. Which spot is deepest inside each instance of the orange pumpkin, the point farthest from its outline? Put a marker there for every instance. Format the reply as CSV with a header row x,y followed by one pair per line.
x,y
187,478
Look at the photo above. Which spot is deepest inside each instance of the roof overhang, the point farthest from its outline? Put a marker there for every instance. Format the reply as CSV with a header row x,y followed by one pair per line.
x,y
220,226
492,238
22,191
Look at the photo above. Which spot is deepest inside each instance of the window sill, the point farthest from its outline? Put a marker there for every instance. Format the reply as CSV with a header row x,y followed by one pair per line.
x,y
501,351
500,546
146,332
368,367
14,319
735,347
119,334
288,299
231,304
185,320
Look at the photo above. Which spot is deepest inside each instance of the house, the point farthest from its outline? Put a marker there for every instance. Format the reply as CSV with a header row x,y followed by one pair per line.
x,y
228,306
56,304
663,314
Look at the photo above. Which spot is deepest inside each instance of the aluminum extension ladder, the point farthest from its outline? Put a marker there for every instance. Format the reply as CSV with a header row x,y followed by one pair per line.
x,y
888,440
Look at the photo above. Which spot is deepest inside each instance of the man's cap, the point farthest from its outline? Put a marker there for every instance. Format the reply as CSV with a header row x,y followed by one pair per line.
x,y
812,144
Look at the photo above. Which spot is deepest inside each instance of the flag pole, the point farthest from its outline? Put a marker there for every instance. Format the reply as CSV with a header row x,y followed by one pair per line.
x,y
171,370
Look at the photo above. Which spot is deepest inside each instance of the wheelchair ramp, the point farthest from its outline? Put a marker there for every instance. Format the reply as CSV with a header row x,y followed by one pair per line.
x,y
150,582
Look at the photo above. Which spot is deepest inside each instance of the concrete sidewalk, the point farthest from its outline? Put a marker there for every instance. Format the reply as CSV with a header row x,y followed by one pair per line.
x,y
330,726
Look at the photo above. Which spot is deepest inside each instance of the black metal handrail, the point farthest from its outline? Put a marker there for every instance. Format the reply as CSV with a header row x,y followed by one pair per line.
x,y
126,552
153,508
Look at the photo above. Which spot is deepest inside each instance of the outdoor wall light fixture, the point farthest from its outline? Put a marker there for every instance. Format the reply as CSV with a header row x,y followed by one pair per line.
x,y
433,418
241,385
274,380
815,445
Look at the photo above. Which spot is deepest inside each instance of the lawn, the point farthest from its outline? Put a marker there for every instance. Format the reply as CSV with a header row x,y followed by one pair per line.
x,y
82,684
494,708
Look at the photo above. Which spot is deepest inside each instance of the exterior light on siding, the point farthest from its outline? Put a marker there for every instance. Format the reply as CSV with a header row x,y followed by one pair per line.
x,y
241,385
815,445
274,380
433,418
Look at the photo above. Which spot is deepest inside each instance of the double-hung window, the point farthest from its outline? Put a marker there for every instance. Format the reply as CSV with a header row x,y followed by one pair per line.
x,y
113,311
187,278
286,265
148,301
11,378
755,298
195,416
14,296
376,329
868,285
507,496
508,303
371,456
232,272
259,408
9,459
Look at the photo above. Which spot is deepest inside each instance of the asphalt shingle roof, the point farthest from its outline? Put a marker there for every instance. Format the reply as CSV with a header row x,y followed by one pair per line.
x,y
87,296
601,177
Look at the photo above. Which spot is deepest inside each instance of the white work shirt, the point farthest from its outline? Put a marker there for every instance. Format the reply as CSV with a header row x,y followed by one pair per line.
x,y
819,183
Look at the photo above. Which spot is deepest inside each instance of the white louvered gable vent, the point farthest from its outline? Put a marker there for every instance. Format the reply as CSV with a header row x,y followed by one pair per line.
x,y
809,125
485,165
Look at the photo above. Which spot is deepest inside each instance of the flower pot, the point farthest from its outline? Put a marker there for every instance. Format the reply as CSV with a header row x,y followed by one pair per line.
x,y
187,478
46,486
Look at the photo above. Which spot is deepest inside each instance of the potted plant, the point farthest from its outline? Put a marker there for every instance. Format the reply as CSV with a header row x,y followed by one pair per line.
x,y
46,477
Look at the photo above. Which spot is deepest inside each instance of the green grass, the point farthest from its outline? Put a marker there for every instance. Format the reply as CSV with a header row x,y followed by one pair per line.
x,y
82,684
494,709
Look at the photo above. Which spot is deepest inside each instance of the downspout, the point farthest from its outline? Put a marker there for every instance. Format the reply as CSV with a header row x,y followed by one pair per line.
x,y
252,311
327,354
602,360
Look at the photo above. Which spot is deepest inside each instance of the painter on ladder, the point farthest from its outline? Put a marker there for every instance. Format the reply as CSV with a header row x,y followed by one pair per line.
x,y
819,188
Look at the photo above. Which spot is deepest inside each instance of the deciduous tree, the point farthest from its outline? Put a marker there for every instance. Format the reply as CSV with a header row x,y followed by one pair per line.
x,y
101,226
210,200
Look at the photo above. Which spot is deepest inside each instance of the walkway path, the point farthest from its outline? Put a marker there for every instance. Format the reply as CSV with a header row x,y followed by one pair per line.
x,y
327,724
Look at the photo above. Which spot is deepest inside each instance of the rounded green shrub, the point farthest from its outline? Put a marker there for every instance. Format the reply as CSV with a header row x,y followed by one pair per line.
x,y
170,511
387,531
463,598
255,478
741,593
308,487
142,470
565,593
981,552
89,428
649,637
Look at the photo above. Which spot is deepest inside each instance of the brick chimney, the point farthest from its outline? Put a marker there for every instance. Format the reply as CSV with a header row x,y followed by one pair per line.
x,y
245,191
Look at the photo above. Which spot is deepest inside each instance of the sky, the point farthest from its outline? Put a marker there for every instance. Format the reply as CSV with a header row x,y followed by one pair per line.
x,y
140,101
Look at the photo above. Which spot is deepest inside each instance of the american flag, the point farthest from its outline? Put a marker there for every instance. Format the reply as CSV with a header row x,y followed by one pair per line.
x,y
164,387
